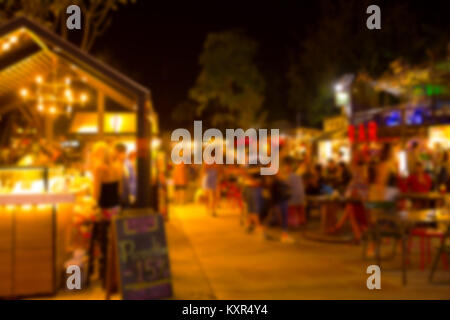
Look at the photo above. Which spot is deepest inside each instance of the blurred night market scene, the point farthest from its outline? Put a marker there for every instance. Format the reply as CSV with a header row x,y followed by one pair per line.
x,y
224,150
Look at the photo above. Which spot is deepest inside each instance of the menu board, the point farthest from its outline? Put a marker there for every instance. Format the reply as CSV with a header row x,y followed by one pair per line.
x,y
144,270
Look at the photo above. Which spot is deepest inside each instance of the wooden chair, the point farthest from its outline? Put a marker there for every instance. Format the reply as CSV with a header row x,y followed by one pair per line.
x,y
444,251
383,224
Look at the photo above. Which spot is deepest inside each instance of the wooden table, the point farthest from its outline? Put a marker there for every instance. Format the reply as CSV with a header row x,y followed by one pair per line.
x,y
328,210
430,198
407,220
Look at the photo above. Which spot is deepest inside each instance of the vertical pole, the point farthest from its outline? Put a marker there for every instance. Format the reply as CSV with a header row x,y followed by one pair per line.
x,y
49,124
143,153
101,113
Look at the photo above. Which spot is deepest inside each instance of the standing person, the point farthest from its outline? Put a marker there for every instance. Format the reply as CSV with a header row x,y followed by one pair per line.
x,y
343,177
296,202
128,181
281,193
383,177
253,195
210,181
180,182
107,180
107,191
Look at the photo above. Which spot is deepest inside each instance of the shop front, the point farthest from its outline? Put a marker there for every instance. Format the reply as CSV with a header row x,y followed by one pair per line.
x,y
62,101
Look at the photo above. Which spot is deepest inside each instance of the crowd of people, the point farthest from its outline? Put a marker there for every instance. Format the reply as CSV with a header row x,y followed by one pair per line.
x,y
370,176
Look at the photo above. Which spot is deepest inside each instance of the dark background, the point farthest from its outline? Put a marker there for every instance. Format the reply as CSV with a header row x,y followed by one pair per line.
x,y
158,43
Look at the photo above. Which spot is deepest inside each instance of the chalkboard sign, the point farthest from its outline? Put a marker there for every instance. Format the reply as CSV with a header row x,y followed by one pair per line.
x,y
143,261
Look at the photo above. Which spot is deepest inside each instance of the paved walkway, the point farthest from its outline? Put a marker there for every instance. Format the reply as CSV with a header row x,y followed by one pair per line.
x,y
215,258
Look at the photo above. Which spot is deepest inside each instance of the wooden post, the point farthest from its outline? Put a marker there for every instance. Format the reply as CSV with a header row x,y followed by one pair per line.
x,y
143,153
101,113
49,121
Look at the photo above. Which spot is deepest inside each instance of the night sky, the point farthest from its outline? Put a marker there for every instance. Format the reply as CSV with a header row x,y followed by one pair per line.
x,y
157,43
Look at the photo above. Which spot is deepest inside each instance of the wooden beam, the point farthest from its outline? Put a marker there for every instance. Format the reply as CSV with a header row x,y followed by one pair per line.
x,y
101,113
120,98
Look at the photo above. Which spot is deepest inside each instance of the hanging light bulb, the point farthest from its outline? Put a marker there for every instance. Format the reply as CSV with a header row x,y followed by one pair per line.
x,y
40,107
6,46
39,79
52,110
68,81
84,97
13,39
68,94
24,92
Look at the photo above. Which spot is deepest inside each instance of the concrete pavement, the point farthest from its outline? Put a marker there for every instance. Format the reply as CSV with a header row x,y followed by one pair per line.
x,y
212,257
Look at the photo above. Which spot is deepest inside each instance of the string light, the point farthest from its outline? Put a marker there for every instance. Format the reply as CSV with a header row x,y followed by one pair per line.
x,y
24,92
55,97
84,97
6,46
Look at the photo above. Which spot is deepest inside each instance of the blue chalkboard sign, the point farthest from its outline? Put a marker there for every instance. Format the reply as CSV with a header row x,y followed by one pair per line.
x,y
143,260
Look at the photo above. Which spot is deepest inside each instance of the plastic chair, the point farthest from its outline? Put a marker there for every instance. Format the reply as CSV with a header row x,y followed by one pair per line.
x,y
425,236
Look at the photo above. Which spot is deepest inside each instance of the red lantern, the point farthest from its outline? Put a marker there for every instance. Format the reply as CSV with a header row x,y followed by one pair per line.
x,y
361,133
351,133
373,130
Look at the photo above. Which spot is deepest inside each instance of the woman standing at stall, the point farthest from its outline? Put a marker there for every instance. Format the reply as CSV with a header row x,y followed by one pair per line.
x,y
107,191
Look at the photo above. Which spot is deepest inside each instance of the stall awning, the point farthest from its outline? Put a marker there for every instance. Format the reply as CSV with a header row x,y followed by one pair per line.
x,y
333,135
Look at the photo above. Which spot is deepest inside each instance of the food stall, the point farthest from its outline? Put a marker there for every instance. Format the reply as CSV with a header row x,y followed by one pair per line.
x,y
334,142
46,196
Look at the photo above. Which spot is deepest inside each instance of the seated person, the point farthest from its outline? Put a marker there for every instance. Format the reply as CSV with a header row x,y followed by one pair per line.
x,y
354,212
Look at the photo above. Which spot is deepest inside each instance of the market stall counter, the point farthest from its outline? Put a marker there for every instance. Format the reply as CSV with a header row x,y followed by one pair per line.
x,y
36,210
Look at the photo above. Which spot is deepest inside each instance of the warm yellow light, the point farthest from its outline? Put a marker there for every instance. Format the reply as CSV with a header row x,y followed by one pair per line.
x,y
6,46
68,81
52,110
39,79
40,107
13,39
68,94
156,143
84,97
24,93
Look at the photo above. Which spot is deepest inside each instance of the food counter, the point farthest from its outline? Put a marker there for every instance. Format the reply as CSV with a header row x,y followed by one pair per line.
x,y
36,214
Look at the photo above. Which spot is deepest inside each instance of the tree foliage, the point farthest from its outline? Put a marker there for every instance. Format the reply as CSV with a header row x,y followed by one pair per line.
x,y
52,13
340,43
230,89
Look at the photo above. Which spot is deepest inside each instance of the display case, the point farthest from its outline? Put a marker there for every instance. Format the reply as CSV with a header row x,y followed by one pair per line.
x,y
34,212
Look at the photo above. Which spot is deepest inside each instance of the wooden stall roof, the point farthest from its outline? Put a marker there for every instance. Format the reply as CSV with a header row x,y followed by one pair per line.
x,y
36,55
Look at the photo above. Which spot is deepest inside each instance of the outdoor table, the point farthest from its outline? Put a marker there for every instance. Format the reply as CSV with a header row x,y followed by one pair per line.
x,y
328,209
430,198
407,220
